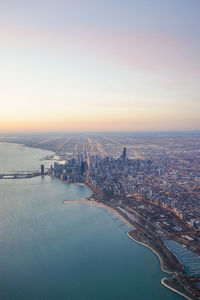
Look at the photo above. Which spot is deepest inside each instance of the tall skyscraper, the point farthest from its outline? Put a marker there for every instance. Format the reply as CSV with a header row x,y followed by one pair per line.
x,y
83,167
124,153
42,169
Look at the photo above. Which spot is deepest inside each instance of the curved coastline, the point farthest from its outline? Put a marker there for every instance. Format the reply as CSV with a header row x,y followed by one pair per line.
x,y
162,268
174,290
153,250
91,200
88,187
99,204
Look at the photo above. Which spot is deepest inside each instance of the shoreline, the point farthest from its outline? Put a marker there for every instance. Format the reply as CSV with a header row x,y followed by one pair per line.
x,y
125,219
114,211
102,205
154,251
91,199
88,187
173,289
162,269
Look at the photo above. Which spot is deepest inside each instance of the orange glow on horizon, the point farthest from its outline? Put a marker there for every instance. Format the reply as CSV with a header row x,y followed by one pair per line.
x,y
97,77
81,126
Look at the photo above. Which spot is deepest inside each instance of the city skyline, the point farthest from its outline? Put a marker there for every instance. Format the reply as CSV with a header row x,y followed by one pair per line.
x,y
99,66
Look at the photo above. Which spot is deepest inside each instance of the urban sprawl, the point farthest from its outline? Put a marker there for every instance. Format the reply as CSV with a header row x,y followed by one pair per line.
x,y
152,180
155,183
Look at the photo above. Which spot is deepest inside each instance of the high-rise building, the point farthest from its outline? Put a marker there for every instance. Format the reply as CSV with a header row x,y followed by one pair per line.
x,y
83,167
42,169
124,153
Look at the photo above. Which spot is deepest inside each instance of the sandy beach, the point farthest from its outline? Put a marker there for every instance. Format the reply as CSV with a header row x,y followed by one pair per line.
x,y
92,201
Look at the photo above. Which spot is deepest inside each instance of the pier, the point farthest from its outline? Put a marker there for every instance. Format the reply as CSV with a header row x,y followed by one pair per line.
x,y
21,175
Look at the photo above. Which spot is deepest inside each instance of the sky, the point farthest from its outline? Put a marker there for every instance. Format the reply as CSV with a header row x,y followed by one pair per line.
x,y
88,65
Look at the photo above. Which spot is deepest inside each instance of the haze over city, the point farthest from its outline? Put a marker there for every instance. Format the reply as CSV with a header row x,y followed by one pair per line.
x,y
99,65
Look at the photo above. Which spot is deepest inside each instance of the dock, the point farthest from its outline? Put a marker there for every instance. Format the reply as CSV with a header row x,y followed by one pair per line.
x,y
21,175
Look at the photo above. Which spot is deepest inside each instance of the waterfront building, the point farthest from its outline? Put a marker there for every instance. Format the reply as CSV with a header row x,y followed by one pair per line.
x,y
42,169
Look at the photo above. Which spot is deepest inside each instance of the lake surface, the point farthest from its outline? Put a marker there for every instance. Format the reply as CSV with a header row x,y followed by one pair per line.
x,y
76,251
15,157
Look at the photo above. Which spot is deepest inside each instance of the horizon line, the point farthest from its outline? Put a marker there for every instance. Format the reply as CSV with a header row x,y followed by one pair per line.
x,y
103,131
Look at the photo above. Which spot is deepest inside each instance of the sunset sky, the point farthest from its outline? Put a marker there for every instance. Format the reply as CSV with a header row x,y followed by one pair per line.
x,y
99,65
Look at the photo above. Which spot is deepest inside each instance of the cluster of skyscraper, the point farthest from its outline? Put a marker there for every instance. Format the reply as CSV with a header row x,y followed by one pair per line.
x,y
110,177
